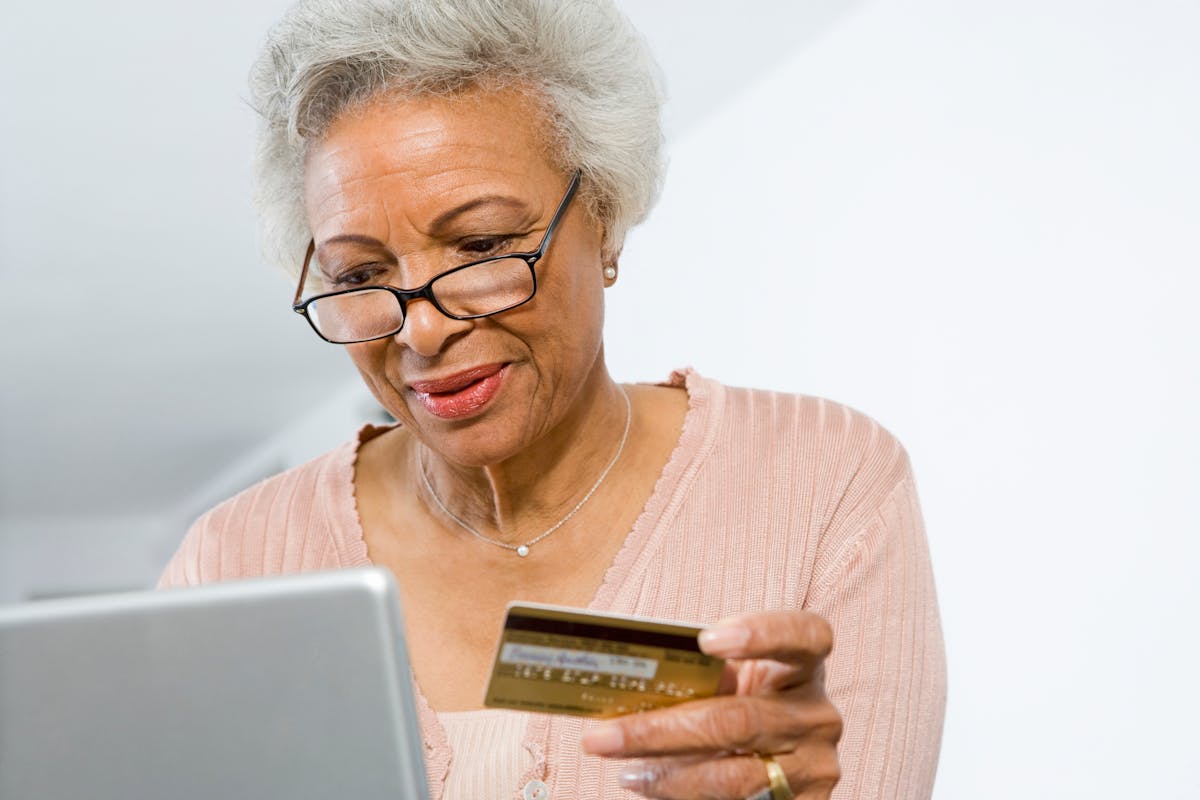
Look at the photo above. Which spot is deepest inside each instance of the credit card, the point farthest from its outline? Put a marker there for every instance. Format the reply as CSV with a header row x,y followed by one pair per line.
x,y
566,661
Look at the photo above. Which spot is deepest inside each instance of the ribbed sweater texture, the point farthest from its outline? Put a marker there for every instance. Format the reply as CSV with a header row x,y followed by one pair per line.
x,y
769,501
495,739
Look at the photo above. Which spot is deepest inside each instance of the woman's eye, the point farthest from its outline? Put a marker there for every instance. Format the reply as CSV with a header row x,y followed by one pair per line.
x,y
358,276
485,245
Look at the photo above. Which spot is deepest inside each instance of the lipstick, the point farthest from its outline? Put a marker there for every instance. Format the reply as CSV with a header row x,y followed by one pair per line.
x,y
462,394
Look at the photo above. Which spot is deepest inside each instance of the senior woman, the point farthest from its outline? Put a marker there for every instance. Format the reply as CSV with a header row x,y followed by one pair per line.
x,y
453,181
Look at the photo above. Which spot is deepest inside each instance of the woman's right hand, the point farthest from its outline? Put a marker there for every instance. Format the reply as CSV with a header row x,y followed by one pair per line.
x,y
774,705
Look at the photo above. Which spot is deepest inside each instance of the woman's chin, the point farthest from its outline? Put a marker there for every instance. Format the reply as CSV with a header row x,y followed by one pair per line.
x,y
473,451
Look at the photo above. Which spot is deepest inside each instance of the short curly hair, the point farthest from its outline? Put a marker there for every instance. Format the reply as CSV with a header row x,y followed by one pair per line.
x,y
596,81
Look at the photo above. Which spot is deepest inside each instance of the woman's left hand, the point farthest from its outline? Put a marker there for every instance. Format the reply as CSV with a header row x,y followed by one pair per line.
x,y
773,702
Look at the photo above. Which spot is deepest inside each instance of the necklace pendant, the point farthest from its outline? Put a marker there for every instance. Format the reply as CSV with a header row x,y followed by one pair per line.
x,y
523,550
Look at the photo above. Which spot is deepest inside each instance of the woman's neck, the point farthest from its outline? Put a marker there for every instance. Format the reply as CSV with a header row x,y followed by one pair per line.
x,y
522,497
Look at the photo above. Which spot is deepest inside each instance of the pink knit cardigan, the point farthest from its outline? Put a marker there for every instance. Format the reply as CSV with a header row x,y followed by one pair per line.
x,y
769,501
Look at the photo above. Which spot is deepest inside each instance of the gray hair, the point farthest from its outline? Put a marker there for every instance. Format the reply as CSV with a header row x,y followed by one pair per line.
x,y
597,85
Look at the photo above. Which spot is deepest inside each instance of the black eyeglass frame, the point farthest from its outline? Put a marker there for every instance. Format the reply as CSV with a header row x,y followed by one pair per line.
x,y
403,296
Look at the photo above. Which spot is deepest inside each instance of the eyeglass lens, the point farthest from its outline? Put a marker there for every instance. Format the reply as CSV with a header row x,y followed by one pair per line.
x,y
473,291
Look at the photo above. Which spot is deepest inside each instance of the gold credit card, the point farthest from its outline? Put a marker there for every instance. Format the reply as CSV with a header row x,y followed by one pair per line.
x,y
567,661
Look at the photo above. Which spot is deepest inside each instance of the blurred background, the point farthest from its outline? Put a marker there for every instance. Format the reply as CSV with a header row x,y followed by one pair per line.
x,y
976,222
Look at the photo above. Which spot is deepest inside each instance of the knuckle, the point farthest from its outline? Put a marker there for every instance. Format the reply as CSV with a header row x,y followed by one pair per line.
x,y
644,731
794,723
823,773
737,727
638,730
832,726
829,770
802,722
708,781
818,777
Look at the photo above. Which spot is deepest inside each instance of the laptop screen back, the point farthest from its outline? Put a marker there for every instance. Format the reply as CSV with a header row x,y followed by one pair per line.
x,y
293,687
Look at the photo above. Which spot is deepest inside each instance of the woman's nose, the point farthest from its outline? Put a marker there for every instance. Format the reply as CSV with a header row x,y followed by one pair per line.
x,y
426,330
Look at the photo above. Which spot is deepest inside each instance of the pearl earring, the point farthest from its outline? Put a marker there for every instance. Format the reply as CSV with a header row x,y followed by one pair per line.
x,y
610,273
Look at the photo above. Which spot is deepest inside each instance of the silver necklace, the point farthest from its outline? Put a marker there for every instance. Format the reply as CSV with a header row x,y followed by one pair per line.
x,y
523,549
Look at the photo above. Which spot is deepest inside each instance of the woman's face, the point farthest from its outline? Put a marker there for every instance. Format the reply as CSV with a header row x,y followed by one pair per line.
x,y
404,189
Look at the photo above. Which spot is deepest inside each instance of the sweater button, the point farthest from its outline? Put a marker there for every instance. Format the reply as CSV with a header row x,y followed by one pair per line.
x,y
536,790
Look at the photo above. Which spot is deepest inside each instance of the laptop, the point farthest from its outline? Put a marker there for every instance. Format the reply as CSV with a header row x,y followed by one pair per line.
x,y
295,687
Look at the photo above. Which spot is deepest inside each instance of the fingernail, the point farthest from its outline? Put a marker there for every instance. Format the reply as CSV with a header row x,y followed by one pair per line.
x,y
636,776
604,740
724,638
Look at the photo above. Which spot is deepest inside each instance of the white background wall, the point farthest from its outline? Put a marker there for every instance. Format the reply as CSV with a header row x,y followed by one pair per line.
x,y
978,223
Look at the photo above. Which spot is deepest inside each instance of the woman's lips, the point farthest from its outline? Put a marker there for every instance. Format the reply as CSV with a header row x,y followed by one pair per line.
x,y
462,394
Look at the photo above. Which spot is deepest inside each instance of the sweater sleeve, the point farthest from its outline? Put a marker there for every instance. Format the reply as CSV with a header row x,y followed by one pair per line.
x,y
887,672
298,521
175,573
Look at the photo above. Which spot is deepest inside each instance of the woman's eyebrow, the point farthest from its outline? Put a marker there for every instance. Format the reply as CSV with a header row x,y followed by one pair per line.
x,y
350,238
446,217
344,238
440,221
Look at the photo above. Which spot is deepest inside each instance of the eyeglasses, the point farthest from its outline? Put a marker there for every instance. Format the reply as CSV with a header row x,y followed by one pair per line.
x,y
478,289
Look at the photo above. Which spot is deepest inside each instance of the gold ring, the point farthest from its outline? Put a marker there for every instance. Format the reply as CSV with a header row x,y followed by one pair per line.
x,y
777,778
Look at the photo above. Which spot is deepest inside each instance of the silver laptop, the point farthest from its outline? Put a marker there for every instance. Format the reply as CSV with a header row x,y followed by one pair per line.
x,y
290,688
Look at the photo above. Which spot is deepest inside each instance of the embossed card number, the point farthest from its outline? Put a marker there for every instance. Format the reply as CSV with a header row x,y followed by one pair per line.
x,y
568,661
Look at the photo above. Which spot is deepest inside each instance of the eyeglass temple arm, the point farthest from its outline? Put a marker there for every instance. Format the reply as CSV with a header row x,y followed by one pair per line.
x,y
558,212
312,248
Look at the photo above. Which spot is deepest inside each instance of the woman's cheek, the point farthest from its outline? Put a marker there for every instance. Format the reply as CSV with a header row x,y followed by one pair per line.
x,y
370,358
